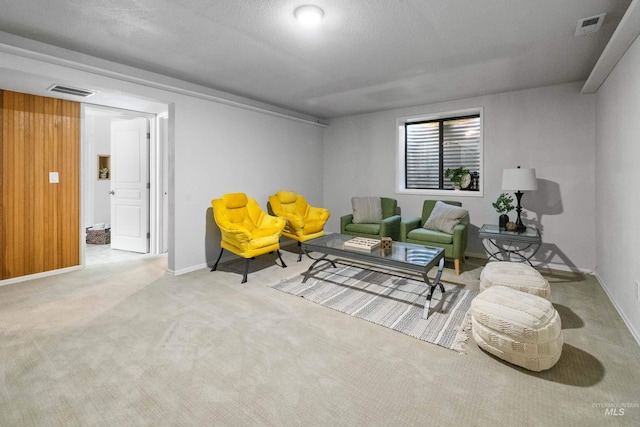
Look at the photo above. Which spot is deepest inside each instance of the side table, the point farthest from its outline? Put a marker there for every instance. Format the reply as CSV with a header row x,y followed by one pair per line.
x,y
502,243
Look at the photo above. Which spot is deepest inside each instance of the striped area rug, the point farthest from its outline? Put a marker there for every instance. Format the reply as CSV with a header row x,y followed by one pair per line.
x,y
389,299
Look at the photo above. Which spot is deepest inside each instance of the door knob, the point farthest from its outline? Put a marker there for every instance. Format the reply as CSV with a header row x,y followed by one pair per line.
x,y
112,192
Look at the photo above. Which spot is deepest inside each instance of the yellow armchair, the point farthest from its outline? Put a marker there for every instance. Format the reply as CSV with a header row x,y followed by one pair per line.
x,y
304,222
246,229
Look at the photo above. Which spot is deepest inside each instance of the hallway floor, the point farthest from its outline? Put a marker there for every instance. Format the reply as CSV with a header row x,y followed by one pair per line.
x,y
103,254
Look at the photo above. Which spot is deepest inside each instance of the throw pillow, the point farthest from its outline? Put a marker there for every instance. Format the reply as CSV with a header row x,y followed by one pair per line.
x,y
444,217
235,200
286,196
366,210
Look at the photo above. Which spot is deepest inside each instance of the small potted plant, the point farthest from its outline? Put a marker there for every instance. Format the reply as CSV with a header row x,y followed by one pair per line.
x,y
104,172
455,175
503,205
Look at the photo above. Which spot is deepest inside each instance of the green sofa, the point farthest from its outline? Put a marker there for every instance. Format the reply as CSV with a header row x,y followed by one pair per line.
x,y
388,227
454,245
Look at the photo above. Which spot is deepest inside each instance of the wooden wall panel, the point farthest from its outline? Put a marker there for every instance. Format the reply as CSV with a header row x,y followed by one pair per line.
x,y
40,220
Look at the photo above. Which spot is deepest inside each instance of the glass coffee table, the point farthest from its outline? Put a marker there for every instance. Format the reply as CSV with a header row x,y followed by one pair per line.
x,y
502,243
405,256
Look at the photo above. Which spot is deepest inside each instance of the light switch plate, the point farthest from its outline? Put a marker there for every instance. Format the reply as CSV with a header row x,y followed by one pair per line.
x,y
53,178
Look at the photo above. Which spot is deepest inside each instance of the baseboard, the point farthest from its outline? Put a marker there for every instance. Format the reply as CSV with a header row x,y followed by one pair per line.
x,y
40,275
188,269
634,332
550,265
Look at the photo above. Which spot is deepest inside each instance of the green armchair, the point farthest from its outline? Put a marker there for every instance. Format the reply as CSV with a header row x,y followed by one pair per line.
x,y
447,229
372,217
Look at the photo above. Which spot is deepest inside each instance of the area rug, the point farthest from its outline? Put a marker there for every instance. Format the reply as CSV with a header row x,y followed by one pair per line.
x,y
389,299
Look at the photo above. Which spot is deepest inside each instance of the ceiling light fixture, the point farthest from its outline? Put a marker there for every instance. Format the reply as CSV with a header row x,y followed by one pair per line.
x,y
309,15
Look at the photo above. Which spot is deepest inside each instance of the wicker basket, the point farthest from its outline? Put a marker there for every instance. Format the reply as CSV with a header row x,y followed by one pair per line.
x,y
99,237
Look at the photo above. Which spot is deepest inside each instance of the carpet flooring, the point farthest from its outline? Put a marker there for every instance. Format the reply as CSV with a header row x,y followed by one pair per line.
x,y
128,344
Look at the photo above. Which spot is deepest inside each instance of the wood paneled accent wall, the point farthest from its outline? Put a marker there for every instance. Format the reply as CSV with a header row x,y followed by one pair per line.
x,y
39,220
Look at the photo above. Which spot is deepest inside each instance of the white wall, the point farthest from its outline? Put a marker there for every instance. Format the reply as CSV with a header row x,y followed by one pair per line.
x,y
214,148
550,129
221,149
617,155
95,199
101,188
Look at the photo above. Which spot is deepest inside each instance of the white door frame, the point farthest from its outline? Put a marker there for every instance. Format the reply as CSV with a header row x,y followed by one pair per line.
x,y
156,169
160,194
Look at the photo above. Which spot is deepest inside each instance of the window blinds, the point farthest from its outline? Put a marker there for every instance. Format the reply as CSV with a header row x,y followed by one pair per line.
x,y
436,145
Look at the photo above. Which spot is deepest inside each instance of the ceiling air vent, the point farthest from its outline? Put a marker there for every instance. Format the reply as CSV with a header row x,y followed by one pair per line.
x,y
589,25
85,93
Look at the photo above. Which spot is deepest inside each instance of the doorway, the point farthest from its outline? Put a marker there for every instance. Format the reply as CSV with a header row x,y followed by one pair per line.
x,y
118,146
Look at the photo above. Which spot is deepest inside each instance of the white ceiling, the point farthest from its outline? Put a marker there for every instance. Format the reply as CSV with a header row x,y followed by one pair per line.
x,y
367,55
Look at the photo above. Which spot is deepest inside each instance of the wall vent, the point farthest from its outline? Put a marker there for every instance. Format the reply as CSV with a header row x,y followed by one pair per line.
x,y
85,93
589,25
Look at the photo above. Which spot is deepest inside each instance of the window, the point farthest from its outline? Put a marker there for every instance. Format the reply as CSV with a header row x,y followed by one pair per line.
x,y
428,146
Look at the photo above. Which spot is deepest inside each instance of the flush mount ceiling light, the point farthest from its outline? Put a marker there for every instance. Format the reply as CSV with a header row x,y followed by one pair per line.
x,y
309,15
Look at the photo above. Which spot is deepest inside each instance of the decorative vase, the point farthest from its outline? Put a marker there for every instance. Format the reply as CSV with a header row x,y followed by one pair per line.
x,y
103,175
502,221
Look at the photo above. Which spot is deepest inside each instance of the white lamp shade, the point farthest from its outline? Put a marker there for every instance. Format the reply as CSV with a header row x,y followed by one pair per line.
x,y
519,180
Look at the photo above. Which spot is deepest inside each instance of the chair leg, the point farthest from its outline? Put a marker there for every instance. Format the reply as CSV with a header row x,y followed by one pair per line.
x,y
299,251
246,270
215,266
281,260
456,264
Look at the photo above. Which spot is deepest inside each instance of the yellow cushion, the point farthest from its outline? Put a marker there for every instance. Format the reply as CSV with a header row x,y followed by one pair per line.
x,y
286,197
235,200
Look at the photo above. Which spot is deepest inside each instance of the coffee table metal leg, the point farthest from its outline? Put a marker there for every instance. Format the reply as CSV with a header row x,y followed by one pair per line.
x,y
317,260
432,287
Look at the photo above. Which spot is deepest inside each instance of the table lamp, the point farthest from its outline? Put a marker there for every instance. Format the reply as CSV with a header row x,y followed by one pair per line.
x,y
519,180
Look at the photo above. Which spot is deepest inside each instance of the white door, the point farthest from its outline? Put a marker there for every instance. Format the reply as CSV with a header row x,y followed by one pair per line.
x,y
129,185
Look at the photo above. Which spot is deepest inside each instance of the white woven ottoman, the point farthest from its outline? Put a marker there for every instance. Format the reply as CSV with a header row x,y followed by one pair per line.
x,y
518,327
518,276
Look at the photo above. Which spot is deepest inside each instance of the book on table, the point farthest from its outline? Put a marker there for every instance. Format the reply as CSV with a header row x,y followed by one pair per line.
x,y
362,244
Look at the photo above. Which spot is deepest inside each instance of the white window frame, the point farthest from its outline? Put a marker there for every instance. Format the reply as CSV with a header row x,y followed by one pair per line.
x,y
400,154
